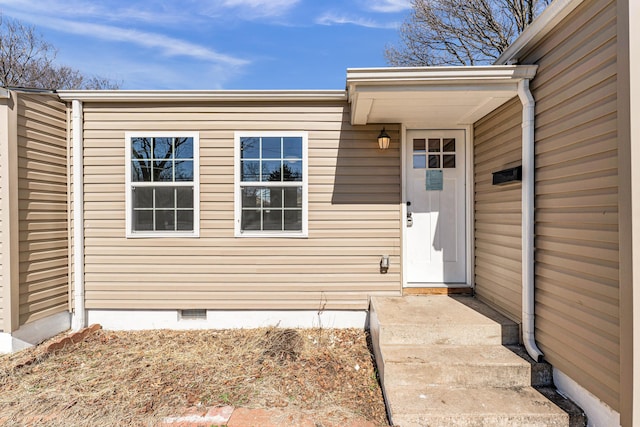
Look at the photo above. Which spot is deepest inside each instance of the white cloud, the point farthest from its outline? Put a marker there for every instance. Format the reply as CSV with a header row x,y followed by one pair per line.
x,y
136,75
334,19
149,11
168,46
387,6
148,72
113,12
265,7
253,9
136,47
128,12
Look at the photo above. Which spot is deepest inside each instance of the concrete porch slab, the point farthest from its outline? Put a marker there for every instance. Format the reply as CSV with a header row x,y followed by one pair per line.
x,y
442,320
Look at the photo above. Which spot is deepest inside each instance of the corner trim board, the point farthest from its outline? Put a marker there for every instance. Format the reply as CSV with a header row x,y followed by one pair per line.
x,y
9,214
79,318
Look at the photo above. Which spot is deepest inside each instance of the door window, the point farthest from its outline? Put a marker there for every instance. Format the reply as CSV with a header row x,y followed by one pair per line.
x,y
434,153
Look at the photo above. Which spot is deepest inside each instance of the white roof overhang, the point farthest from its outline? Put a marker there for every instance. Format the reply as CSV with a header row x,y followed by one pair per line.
x,y
431,96
201,95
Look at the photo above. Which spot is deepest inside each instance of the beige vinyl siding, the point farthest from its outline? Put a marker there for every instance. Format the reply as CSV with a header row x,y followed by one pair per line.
x,y
42,194
2,245
354,215
498,211
577,259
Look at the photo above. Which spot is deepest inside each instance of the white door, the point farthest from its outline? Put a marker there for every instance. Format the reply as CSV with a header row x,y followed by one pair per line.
x,y
436,217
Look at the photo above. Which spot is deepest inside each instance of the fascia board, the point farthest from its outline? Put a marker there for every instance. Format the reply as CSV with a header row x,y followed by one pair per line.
x,y
204,95
540,27
439,75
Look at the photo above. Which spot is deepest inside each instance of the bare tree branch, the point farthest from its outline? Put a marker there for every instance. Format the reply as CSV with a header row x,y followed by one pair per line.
x,y
27,60
461,32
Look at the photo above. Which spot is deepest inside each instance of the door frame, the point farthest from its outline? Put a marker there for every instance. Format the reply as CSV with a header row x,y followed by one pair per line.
x,y
469,221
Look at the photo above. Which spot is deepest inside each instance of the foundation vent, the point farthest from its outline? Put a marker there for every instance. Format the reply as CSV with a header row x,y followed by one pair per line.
x,y
193,314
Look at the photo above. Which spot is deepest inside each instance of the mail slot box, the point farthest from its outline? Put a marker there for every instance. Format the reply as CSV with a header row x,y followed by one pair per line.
x,y
506,176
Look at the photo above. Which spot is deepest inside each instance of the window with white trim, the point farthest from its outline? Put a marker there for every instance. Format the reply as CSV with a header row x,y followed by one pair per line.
x,y
162,184
271,184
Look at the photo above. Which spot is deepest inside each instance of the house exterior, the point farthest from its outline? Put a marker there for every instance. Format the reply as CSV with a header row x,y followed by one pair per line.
x,y
34,239
246,208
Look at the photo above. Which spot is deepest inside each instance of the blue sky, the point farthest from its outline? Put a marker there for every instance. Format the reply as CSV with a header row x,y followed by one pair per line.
x,y
216,44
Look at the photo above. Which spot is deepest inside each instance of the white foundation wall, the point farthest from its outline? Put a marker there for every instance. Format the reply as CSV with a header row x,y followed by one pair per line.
x,y
599,414
10,344
35,332
226,319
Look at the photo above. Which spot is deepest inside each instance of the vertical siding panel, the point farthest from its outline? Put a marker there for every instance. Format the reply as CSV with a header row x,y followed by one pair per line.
x,y
577,303
498,210
354,214
42,189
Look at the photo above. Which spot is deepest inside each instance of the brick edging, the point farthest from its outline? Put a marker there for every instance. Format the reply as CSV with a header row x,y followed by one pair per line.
x,y
229,416
59,344
73,338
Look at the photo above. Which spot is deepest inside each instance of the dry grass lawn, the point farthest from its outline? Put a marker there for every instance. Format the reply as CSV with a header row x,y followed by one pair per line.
x,y
137,378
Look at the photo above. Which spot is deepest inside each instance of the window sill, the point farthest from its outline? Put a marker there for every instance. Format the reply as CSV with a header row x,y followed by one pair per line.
x,y
156,234
275,235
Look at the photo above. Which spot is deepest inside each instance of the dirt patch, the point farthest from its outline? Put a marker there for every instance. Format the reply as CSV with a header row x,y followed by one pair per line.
x,y
137,378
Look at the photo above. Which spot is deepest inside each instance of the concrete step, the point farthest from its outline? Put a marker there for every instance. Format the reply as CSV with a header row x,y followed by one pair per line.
x,y
442,320
541,372
445,406
472,366
453,361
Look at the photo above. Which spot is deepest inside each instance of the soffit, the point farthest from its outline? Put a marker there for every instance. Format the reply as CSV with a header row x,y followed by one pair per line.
x,y
431,96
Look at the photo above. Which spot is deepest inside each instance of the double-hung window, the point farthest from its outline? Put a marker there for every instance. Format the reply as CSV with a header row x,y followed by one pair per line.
x,y
271,184
162,197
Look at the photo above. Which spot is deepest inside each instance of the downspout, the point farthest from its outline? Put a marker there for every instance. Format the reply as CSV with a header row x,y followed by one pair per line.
x,y
528,206
79,320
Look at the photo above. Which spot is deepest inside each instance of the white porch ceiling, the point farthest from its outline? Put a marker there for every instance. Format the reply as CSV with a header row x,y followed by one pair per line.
x,y
431,96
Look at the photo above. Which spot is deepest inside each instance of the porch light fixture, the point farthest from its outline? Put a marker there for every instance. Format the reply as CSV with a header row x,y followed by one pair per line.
x,y
384,264
383,140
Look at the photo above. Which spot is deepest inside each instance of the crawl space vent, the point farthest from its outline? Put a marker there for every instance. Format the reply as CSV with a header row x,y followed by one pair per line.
x,y
193,314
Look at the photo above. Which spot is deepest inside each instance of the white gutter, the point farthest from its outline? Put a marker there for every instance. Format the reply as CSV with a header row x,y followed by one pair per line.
x,y
528,205
482,74
79,321
4,93
202,95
